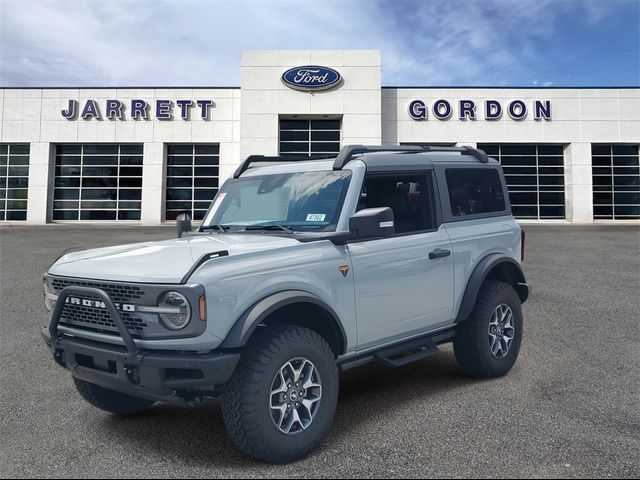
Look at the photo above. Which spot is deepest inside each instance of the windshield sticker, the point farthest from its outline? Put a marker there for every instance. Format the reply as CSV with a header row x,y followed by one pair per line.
x,y
316,217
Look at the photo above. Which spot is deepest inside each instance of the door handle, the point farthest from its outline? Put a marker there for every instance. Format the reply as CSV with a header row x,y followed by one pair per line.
x,y
439,253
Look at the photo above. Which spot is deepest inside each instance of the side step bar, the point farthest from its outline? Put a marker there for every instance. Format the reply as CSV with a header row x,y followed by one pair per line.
x,y
401,353
406,353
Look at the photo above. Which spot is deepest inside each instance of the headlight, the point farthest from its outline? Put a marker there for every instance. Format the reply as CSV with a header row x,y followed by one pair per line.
x,y
177,311
48,297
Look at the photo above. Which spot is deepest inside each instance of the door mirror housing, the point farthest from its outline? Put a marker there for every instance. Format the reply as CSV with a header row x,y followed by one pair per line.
x,y
183,224
372,223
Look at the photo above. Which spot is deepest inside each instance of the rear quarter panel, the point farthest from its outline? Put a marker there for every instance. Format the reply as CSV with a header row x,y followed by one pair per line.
x,y
473,240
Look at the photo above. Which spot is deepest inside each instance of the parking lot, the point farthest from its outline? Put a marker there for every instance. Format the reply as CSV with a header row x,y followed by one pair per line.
x,y
570,408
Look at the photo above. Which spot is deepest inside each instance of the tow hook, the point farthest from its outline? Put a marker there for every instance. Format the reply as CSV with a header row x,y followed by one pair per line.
x,y
132,374
59,357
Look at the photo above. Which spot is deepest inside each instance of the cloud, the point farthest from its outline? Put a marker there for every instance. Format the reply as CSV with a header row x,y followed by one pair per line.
x,y
191,42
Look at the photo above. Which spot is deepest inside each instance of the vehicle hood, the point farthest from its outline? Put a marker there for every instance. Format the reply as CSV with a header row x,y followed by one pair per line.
x,y
166,261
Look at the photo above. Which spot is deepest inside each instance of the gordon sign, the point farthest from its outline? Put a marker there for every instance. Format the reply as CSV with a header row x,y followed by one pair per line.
x,y
137,109
469,110
311,78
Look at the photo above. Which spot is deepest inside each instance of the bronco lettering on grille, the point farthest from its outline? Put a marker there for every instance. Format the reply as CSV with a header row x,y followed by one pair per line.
x,y
86,302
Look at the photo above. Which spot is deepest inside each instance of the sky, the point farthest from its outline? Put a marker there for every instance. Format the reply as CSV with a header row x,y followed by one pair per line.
x,y
45,43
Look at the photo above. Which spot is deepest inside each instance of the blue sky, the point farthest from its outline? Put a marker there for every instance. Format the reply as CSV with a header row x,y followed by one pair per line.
x,y
439,42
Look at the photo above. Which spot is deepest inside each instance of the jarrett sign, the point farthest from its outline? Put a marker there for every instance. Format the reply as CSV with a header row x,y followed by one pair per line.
x,y
138,109
487,110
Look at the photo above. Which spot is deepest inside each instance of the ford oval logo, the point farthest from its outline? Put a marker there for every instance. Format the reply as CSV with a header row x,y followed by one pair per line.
x,y
311,78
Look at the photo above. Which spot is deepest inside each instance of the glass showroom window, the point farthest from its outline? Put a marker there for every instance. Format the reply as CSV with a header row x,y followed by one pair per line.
x,y
192,179
98,182
309,137
616,182
535,178
14,181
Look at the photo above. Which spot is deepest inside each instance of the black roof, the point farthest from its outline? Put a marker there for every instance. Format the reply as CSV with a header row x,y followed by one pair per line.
x,y
416,161
378,156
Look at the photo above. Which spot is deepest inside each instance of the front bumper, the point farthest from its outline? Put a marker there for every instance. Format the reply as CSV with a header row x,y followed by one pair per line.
x,y
180,378
170,377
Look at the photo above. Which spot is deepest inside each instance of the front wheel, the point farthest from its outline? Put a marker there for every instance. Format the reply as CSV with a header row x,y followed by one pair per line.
x,y
488,342
281,400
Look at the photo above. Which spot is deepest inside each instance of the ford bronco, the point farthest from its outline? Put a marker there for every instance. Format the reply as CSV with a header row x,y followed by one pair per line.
x,y
301,268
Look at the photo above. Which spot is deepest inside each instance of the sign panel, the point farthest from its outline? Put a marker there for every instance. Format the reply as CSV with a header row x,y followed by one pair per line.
x,y
468,110
137,109
311,78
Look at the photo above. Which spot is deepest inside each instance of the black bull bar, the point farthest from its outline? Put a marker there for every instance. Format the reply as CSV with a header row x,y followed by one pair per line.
x,y
179,378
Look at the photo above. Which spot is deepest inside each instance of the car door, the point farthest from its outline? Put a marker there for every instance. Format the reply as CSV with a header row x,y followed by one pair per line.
x,y
403,284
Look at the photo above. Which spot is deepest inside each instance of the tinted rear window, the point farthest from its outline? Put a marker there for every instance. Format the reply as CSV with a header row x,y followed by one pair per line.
x,y
474,191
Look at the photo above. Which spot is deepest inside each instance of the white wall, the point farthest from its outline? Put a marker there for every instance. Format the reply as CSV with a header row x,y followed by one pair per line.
x,y
579,117
265,97
34,116
245,122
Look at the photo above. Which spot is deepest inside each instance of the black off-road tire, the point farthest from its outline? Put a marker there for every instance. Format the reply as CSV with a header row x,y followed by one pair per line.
x,y
109,400
246,399
471,343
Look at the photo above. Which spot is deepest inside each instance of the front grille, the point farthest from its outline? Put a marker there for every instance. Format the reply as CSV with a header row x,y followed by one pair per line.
x,y
118,293
98,319
81,315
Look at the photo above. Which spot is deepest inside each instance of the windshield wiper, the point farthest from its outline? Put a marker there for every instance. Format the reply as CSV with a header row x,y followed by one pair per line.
x,y
222,228
281,228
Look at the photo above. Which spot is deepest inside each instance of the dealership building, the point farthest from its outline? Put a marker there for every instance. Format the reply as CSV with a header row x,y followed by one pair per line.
x,y
145,155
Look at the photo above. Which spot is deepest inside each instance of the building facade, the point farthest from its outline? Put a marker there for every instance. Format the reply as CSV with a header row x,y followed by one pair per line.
x,y
149,154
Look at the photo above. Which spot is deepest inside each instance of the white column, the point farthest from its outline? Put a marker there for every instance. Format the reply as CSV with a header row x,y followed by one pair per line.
x,y
153,182
41,178
578,182
229,161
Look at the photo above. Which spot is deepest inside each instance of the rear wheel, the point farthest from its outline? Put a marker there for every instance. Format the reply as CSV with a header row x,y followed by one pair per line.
x,y
110,400
282,398
488,342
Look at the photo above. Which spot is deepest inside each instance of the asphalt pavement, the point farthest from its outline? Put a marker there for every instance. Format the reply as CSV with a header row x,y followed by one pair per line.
x,y
570,407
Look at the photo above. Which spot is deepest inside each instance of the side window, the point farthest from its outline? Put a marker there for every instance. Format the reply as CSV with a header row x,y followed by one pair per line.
x,y
407,195
475,191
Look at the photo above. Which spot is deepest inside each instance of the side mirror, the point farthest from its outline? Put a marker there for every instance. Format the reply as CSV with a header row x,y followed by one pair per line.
x,y
183,224
372,223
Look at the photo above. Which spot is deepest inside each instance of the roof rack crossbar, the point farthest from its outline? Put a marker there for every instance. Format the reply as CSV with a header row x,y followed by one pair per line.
x,y
349,152
251,159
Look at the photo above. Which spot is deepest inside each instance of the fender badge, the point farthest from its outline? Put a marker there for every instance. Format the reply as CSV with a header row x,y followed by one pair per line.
x,y
344,269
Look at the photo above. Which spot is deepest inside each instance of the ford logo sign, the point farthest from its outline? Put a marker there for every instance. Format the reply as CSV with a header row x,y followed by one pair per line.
x,y
311,78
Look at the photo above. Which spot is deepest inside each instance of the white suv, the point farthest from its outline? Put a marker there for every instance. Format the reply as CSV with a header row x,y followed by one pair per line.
x,y
302,268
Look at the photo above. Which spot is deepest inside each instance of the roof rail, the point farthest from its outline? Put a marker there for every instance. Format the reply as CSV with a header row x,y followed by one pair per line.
x,y
277,159
349,152
464,150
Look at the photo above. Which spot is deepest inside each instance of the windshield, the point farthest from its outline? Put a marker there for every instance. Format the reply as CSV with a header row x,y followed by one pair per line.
x,y
305,201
